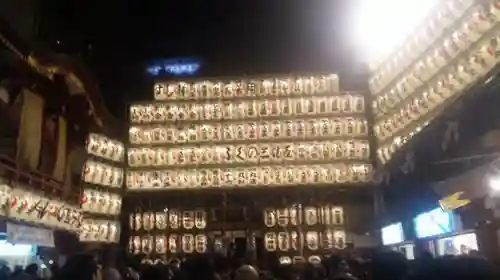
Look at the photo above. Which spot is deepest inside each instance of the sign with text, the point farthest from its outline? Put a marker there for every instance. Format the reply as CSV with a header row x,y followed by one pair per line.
x,y
174,67
453,201
19,234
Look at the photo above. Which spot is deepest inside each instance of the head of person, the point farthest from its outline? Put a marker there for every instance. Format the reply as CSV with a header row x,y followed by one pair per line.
x,y
426,256
198,267
152,273
332,264
79,267
32,269
175,264
389,265
18,268
456,268
246,272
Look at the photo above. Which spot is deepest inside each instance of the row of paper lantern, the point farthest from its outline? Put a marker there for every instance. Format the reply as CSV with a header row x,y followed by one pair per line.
x,y
251,153
280,175
101,202
103,147
476,64
102,174
444,17
278,86
476,24
170,218
244,131
151,262
27,206
308,215
94,230
171,243
251,109
311,240
286,260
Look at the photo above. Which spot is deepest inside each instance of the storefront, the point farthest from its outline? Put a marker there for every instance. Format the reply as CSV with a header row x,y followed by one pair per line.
x,y
470,196
393,237
30,225
15,254
461,244
22,245
441,233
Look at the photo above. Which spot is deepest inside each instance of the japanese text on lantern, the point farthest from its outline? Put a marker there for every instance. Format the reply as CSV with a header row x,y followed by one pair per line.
x,y
243,133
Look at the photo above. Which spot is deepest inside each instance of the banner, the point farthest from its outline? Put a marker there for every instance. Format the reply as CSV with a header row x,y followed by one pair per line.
x,y
60,163
29,140
19,234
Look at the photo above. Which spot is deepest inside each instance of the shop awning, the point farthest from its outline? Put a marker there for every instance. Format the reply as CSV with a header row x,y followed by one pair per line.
x,y
20,234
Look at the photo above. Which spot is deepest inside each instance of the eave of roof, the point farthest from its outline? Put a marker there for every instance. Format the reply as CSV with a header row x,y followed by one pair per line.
x,y
49,64
474,112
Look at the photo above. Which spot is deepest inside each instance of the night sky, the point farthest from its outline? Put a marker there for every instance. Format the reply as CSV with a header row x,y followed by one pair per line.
x,y
115,39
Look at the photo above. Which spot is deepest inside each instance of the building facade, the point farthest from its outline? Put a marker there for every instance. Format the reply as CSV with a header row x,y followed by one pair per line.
x,y
49,104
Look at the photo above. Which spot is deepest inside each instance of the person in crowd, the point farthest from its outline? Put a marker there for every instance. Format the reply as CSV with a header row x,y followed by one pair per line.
x,y
246,272
456,268
32,270
30,273
389,266
133,274
331,265
18,269
79,267
174,267
222,267
152,273
54,270
200,267
109,271
313,272
128,273
4,270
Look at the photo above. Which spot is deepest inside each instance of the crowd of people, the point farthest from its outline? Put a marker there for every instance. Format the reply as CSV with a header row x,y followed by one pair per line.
x,y
382,266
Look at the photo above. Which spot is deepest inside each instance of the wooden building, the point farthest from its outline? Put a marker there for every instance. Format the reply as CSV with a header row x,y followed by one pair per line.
x,y
48,106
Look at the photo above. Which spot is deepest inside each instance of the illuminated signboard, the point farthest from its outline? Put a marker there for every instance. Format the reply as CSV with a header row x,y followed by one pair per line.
x,y
9,249
174,67
393,234
432,223
453,201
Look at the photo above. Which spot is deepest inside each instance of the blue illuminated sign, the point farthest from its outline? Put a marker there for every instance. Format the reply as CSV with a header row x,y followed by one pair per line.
x,y
432,223
174,67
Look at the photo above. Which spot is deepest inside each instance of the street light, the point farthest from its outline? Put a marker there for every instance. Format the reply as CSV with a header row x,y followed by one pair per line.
x,y
494,184
381,26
